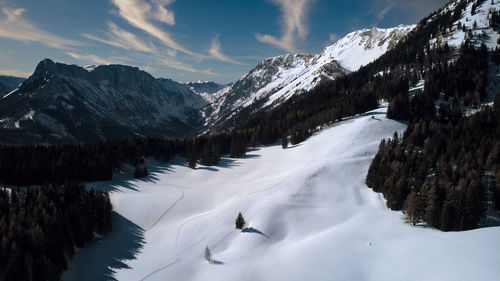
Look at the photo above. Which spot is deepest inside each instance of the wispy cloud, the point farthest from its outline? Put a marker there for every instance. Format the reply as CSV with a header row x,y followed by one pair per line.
x,y
121,38
183,66
216,52
89,58
142,15
294,16
16,73
385,10
14,26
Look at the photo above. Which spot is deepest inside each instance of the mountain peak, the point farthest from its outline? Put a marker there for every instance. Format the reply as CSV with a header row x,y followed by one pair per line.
x,y
363,46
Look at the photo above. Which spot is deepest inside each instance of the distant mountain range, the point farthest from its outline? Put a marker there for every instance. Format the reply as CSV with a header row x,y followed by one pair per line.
x,y
67,103
63,103
208,90
9,83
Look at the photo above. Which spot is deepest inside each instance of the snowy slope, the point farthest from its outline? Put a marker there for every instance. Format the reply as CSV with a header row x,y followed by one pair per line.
x,y
275,80
481,33
316,217
361,47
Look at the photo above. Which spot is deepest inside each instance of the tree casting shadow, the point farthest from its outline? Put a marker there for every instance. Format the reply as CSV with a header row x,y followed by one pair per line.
x,y
98,259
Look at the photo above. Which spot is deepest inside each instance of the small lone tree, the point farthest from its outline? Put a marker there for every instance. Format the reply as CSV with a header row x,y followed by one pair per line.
x,y
240,221
208,255
284,141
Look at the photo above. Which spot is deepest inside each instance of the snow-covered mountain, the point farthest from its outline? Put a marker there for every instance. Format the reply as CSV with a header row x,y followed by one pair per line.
x,y
61,103
361,47
208,90
9,83
472,22
274,80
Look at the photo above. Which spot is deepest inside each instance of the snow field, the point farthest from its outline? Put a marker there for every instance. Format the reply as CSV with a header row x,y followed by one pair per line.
x,y
317,218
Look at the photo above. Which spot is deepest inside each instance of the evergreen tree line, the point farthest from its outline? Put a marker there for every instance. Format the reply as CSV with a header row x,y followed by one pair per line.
x,y
40,228
35,165
437,172
462,82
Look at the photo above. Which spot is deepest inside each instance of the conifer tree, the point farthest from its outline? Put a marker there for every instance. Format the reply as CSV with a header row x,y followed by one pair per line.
x,y
240,221
284,141
208,255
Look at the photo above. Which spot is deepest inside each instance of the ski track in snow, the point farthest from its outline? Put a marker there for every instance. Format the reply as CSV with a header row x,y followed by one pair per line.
x,y
160,269
168,210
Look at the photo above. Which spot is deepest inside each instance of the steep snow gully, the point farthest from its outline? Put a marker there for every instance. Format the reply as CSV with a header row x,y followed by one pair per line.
x,y
309,217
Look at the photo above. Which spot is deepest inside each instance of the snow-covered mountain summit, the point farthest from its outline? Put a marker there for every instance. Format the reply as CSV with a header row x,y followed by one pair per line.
x,y
62,102
361,47
272,81
276,79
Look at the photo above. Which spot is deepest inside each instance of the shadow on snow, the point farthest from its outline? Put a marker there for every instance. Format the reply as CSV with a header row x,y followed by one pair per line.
x,y
254,230
98,259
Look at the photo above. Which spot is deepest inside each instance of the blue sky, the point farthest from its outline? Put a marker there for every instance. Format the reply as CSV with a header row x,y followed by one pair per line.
x,y
186,40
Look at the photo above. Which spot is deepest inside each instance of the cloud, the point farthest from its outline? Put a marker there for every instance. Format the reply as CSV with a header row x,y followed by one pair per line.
x,y
294,15
89,58
15,73
182,66
215,51
141,14
122,39
14,26
387,9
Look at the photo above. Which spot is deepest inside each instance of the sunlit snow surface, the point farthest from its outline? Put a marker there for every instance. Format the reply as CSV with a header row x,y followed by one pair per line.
x,y
316,217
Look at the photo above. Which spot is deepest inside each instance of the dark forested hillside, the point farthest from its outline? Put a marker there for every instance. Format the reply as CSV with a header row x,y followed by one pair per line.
x,y
40,228
438,171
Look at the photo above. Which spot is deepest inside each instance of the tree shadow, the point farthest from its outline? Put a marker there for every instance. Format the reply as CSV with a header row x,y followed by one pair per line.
x,y
254,230
251,156
99,259
228,163
125,179
217,262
